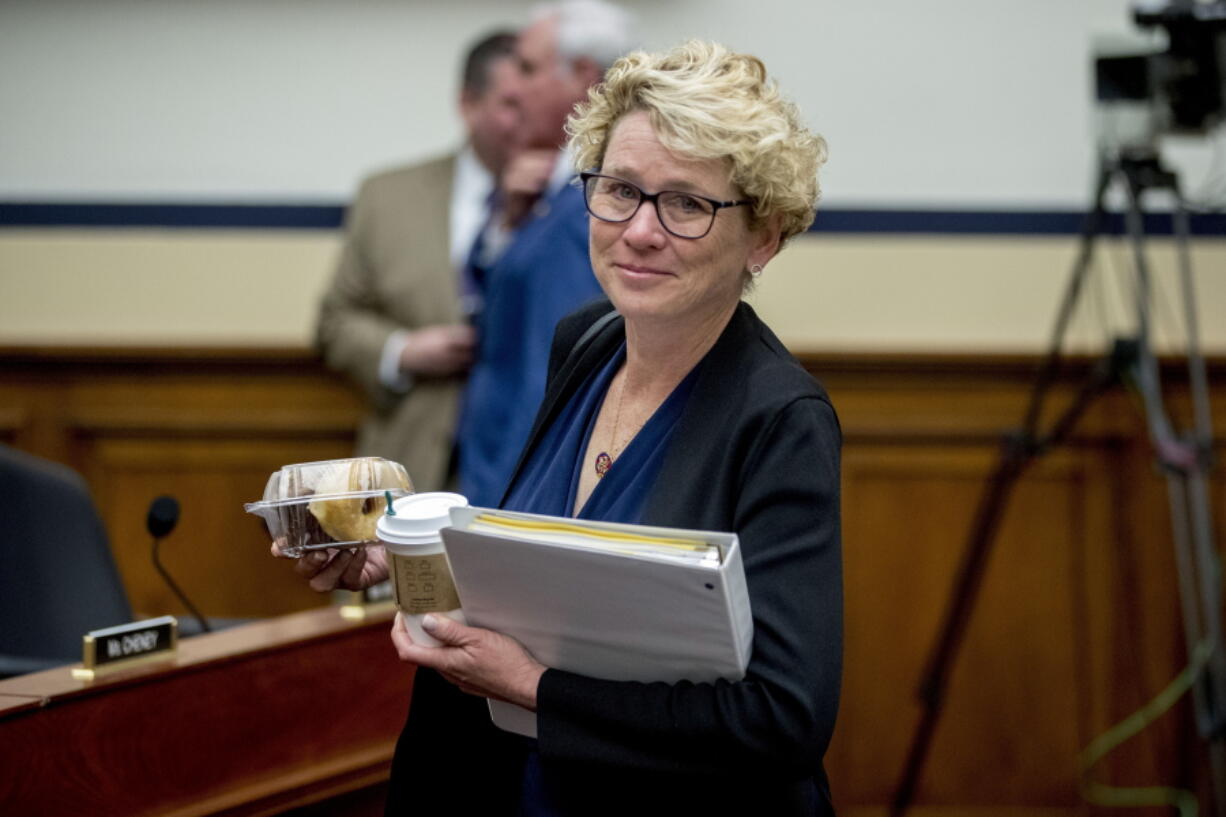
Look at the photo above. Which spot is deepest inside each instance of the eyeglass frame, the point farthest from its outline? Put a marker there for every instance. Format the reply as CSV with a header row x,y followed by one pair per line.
x,y
654,198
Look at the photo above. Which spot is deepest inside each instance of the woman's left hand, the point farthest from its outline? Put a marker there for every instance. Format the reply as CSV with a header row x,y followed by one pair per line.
x,y
478,661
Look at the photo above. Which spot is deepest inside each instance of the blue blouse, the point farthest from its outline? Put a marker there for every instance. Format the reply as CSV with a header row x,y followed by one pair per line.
x,y
550,479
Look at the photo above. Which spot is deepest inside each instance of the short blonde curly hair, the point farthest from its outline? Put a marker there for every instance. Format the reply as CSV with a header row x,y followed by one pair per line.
x,y
706,102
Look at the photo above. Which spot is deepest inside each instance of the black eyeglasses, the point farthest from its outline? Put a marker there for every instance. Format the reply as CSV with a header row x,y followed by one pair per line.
x,y
685,215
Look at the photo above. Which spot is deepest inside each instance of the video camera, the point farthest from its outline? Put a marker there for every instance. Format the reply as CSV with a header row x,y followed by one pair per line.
x,y
1181,90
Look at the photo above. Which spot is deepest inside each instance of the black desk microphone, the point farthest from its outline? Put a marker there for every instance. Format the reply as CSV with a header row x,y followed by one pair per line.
x,y
161,520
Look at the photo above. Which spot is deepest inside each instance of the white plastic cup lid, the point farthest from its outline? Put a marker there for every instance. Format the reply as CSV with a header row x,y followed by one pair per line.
x,y
419,518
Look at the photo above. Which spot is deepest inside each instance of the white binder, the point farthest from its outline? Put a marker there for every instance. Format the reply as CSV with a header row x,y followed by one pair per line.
x,y
577,600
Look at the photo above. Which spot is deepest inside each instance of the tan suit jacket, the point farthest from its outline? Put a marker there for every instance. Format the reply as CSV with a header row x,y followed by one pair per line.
x,y
395,273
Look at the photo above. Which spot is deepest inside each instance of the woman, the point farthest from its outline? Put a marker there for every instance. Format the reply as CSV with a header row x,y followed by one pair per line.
x,y
681,410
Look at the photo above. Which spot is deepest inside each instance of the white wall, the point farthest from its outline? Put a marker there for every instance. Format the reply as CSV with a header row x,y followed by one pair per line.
x,y
938,103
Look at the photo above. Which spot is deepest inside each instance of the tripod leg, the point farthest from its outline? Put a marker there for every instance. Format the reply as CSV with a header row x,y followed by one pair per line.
x,y
1199,575
1210,685
1017,452
1196,557
1198,493
1196,363
1202,441
1090,229
966,588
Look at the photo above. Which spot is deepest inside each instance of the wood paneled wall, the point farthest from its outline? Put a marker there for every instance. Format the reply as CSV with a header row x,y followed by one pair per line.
x,y
207,427
1077,623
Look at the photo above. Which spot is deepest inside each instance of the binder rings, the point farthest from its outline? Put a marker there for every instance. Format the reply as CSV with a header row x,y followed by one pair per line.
x,y
618,602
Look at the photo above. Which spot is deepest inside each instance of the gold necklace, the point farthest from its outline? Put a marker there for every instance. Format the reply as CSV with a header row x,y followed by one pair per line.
x,y
603,461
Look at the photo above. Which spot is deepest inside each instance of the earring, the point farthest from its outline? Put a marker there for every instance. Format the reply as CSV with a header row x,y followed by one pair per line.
x,y
755,270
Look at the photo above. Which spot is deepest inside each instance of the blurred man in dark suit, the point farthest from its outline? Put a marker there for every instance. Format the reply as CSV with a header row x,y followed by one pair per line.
x,y
542,272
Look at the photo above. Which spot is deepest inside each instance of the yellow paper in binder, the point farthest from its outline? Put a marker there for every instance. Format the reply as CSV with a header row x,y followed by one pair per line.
x,y
619,602
577,534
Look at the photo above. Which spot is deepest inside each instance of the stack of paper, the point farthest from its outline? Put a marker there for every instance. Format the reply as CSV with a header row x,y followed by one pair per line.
x,y
619,602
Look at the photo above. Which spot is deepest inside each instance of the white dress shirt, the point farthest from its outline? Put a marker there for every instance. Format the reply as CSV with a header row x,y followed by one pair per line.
x,y
471,187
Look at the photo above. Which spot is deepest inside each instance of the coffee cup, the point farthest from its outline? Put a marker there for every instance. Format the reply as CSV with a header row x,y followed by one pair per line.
x,y
416,560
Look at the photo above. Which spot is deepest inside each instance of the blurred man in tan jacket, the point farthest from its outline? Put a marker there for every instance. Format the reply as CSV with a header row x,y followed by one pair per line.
x,y
394,318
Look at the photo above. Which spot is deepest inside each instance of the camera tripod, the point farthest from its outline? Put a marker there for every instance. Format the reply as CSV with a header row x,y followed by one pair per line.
x,y
1183,458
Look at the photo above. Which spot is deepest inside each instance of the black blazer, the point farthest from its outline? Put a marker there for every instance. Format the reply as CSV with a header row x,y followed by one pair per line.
x,y
756,452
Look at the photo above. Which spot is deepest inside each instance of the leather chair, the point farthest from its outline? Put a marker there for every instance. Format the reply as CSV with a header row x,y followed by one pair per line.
x,y
60,579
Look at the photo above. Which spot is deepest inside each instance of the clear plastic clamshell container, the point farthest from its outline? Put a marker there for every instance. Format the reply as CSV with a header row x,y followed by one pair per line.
x,y
329,504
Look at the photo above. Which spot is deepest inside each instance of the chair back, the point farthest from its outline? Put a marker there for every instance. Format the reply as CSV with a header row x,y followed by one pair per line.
x,y
60,579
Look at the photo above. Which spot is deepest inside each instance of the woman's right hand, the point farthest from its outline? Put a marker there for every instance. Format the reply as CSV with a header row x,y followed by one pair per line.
x,y
347,569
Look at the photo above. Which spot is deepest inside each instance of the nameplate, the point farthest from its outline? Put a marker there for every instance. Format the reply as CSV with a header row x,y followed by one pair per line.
x,y
127,645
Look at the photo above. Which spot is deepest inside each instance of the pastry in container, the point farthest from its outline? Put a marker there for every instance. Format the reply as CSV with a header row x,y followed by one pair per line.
x,y
329,504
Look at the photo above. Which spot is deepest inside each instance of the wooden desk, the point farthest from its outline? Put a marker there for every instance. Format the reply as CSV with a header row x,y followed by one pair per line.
x,y
252,720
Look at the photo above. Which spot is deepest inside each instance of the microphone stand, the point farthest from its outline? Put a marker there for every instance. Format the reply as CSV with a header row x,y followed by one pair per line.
x,y
157,563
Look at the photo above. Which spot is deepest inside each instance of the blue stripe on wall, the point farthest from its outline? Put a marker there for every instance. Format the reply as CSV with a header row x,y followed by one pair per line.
x,y
202,216
1004,222
328,217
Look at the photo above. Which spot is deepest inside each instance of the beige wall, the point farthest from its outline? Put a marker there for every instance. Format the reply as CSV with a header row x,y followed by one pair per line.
x,y
825,292
996,294
161,287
